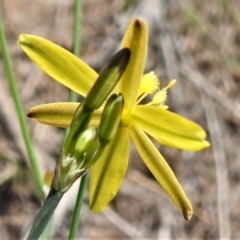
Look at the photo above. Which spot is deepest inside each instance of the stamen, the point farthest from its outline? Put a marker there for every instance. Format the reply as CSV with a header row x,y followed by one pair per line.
x,y
161,95
149,84
172,83
141,98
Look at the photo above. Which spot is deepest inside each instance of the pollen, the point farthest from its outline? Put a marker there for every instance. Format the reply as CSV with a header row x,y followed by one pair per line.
x,y
160,96
149,83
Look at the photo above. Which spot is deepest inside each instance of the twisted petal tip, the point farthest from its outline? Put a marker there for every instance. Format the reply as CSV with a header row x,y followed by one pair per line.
x,y
187,215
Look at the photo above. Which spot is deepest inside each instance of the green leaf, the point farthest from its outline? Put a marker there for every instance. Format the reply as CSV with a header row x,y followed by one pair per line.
x,y
169,128
108,172
59,63
161,170
44,214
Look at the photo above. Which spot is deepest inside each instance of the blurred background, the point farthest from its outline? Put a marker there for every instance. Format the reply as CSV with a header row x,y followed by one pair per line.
x,y
197,43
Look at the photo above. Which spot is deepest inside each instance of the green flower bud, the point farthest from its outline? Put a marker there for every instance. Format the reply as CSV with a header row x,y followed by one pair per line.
x,y
93,154
107,79
84,142
110,119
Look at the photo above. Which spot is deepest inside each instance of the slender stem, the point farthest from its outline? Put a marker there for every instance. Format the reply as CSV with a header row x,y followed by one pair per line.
x,y
76,44
73,97
77,209
76,38
18,105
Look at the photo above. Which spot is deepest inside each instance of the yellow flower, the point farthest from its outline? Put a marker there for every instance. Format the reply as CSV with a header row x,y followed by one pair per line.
x,y
137,119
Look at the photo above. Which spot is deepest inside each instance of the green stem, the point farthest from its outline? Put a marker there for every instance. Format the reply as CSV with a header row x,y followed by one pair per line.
x,y
77,209
76,38
76,44
73,98
20,113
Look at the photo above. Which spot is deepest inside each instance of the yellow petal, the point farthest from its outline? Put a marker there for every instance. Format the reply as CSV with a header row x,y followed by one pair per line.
x,y
136,40
161,170
59,63
169,128
59,114
107,173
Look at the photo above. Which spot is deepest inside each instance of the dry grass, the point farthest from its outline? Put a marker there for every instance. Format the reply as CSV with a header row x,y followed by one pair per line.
x,y
196,42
